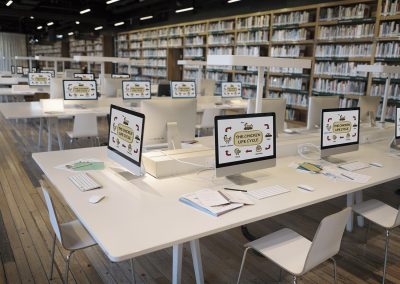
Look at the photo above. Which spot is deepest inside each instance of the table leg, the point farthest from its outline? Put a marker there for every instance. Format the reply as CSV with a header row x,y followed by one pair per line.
x,y
359,199
40,132
49,122
177,263
197,265
59,138
350,202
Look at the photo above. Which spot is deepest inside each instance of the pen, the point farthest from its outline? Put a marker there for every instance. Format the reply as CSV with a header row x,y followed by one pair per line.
x,y
347,176
235,189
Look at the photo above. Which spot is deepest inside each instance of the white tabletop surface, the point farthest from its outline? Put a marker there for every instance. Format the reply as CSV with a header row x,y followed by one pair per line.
x,y
145,215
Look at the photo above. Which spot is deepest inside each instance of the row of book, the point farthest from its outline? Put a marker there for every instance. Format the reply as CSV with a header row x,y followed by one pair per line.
x,y
172,42
248,50
338,68
125,70
134,44
389,29
154,53
217,76
385,75
190,74
290,35
292,114
220,39
388,49
346,103
287,83
220,51
154,72
291,70
346,87
344,50
291,18
155,62
358,11
390,112
150,43
246,79
252,37
195,40
346,32
379,90
288,51
221,26
390,7
253,22
195,29
193,52
295,99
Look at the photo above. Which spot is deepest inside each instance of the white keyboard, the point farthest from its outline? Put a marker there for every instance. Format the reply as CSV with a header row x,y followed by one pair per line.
x,y
267,192
84,182
354,166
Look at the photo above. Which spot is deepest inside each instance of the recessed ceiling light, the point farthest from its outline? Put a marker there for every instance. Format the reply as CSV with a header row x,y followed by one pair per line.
x,y
98,28
39,27
59,36
32,17
9,3
146,18
111,1
77,22
119,24
184,10
233,1
85,11
50,23
71,33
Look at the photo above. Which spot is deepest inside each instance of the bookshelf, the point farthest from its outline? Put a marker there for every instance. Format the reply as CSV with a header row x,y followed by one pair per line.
x,y
337,36
80,47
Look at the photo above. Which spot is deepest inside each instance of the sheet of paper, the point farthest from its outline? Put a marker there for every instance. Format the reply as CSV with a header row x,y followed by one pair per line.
x,y
84,164
210,198
346,175
237,197
354,166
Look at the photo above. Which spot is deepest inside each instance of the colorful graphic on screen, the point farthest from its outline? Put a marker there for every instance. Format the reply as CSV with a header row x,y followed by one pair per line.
x,y
245,139
398,123
52,72
183,89
126,133
340,127
39,79
84,76
231,89
79,90
136,90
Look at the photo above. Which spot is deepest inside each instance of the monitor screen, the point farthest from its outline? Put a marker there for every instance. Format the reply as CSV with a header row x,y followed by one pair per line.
x,y
19,69
125,138
397,123
231,89
79,90
51,71
25,70
120,76
340,127
183,89
136,90
39,79
243,139
84,76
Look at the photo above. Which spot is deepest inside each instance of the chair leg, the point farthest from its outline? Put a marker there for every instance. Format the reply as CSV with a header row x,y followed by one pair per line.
x,y
294,279
133,270
386,253
334,270
367,232
53,248
280,275
242,265
67,266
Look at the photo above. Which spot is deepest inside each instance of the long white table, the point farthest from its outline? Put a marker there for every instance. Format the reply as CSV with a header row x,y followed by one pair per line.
x,y
144,215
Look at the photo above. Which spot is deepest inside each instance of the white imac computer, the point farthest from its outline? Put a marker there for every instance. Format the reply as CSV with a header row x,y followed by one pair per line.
x,y
231,90
79,90
244,143
183,89
41,81
169,122
51,71
110,86
277,105
136,90
340,132
316,105
125,139
396,141
120,76
84,76
368,108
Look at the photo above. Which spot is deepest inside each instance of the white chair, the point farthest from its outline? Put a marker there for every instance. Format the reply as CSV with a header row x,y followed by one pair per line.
x,y
72,235
207,120
381,214
296,254
85,126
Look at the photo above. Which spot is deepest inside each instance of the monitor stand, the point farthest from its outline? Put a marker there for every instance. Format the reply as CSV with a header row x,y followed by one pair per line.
x,y
395,145
173,136
239,179
333,160
127,175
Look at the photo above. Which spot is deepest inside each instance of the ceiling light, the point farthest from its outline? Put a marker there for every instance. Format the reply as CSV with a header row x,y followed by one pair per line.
x,y
85,11
39,27
59,36
50,23
98,28
71,33
9,3
77,22
233,1
146,18
32,17
184,10
119,24
111,1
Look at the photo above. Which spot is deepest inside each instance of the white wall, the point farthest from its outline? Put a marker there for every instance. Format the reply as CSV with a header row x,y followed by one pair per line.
x,y
11,45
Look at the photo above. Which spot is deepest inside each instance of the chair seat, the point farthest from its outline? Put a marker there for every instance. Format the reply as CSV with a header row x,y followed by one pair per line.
x,y
377,212
75,236
286,248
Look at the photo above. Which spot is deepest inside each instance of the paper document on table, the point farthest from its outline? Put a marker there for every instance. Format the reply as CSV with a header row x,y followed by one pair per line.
x,y
354,166
268,191
237,197
85,164
209,197
346,175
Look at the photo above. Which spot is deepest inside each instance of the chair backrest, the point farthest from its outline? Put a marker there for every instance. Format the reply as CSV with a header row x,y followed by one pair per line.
x,y
207,87
164,89
207,120
85,125
327,239
52,213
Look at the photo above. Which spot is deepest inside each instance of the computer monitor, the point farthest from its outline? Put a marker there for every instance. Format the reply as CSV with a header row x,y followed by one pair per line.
x,y
368,108
25,71
207,87
167,117
79,90
51,71
243,143
125,139
19,69
231,90
183,89
109,86
340,131
315,106
120,76
84,76
277,105
164,89
136,90
39,79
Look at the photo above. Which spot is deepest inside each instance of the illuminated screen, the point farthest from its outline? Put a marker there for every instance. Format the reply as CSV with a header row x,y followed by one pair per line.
x,y
136,90
79,90
231,89
183,89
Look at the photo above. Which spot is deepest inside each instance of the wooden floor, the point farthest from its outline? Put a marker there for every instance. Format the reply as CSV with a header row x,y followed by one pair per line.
x,y
25,235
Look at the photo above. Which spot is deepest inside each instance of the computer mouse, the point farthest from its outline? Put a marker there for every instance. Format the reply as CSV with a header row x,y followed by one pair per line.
x,y
96,198
305,187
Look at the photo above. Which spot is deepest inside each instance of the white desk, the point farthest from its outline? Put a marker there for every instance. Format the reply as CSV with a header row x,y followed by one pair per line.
x,y
145,215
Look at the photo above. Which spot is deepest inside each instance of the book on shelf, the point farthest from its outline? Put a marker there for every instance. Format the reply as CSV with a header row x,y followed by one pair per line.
x,y
358,11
